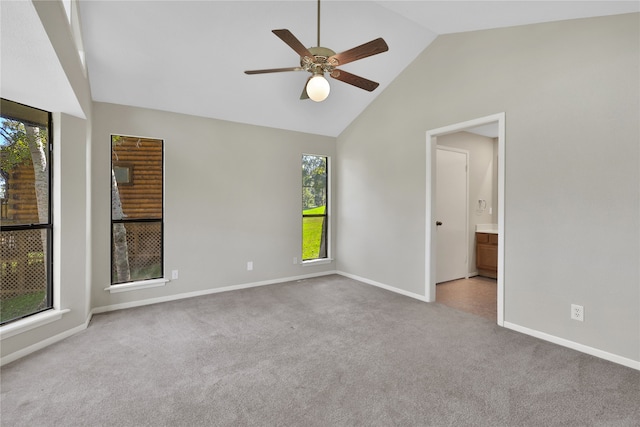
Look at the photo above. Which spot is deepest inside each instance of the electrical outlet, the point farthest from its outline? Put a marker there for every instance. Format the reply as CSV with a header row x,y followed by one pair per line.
x,y
295,260
174,274
249,265
577,312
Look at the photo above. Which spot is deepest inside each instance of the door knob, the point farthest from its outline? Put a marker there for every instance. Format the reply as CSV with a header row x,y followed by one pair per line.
x,y
438,223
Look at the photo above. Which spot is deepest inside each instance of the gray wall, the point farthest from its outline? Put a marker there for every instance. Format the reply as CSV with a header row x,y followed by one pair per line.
x,y
232,195
570,92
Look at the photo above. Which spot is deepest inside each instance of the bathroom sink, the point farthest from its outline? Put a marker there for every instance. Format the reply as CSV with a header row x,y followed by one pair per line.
x,y
487,228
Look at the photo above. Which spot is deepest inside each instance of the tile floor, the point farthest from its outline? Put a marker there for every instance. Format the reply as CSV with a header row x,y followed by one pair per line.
x,y
476,295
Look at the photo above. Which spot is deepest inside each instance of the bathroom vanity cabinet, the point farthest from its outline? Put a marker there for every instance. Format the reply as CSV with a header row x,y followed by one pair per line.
x,y
487,254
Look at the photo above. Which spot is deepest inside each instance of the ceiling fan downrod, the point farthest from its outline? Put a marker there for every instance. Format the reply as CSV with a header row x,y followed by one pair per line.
x,y
318,23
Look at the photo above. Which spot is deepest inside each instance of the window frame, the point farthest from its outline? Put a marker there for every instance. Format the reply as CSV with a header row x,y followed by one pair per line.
x,y
48,226
327,215
151,281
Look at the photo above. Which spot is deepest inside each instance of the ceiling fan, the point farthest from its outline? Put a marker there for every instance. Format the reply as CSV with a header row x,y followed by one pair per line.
x,y
320,60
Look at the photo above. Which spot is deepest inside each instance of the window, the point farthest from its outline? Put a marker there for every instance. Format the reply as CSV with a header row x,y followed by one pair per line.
x,y
26,224
314,207
136,209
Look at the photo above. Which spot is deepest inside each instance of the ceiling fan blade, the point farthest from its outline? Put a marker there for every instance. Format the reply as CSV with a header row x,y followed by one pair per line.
x,y
273,70
371,48
354,80
304,95
293,42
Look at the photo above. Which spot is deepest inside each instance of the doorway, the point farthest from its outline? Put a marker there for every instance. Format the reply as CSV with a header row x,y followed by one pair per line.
x,y
498,122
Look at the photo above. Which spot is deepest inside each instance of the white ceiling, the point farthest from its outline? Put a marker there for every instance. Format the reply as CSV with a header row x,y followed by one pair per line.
x,y
30,72
189,56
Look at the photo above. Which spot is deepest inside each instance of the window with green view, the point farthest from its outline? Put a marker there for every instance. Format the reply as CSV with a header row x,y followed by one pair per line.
x,y
25,215
314,207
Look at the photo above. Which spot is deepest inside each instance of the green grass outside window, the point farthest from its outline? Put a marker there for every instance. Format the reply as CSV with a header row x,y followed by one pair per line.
x,y
312,233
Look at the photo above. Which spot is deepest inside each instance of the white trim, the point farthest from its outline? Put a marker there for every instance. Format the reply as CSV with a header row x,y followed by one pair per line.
x,y
52,340
383,286
167,298
52,315
630,363
44,343
153,283
430,255
137,136
56,189
502,162
521,329
31,322
140,284
318,261
328,211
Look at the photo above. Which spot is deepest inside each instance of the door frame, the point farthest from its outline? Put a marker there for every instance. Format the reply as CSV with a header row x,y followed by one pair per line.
x,y
466,205
430,226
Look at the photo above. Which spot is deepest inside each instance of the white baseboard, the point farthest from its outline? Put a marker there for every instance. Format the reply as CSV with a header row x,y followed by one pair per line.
x,y
634,364
174,297
44,343
383,286
54,339
630,363
34,321
541,335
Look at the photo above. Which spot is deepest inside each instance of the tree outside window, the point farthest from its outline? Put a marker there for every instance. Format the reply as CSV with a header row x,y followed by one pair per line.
x,y
26,224
314,207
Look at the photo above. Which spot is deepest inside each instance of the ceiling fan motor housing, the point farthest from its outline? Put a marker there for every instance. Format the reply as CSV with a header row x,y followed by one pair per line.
x,y
321,61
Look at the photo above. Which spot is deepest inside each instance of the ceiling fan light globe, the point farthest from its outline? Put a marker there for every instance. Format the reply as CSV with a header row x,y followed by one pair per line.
x,y
318,88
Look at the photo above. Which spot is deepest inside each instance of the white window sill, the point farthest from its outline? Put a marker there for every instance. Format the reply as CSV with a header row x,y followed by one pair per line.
x,y
132,286
31,322
318,261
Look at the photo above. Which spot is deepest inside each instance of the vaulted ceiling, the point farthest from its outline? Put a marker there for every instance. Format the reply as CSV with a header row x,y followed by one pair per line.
x,y
189,56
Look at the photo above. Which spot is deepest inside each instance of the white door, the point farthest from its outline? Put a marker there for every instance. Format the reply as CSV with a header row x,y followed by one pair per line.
x,y
451,214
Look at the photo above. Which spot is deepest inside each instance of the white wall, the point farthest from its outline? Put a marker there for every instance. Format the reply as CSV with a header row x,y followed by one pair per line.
x,y
69,194
482,183
232,195
570,92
